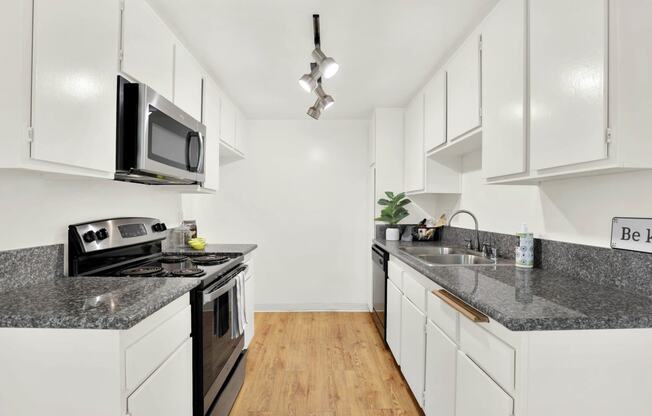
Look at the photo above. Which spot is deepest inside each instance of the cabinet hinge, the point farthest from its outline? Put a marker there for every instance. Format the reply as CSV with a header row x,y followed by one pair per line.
x,y
121,55
30,134
480,44
122,5
608,136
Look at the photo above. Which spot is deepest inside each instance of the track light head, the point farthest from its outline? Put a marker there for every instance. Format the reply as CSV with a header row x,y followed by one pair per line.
x,y
327,65
326,100
309,81
315,110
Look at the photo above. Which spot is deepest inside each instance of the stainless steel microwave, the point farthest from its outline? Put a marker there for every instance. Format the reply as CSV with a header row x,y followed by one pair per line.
x,y
157,143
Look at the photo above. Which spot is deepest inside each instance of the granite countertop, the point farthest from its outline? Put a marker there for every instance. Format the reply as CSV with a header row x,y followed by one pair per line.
x,y
536,299
223,248
89,302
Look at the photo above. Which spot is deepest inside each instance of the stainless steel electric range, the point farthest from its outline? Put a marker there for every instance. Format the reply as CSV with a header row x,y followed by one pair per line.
x,y
132,247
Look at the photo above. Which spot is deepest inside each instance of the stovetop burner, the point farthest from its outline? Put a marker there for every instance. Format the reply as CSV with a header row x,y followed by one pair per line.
x,y
142,271
172,258
191,272
209,260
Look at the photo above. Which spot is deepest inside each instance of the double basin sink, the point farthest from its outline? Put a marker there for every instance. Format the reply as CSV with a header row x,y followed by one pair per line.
x,y
447,256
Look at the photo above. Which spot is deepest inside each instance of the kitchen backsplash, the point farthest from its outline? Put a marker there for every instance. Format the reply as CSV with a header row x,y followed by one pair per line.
x,y
30,265
626,270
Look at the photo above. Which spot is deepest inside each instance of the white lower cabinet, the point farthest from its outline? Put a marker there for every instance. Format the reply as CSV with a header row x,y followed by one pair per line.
x,y
441,354
145,370
413,347
477,394
393,324
167,392
249,306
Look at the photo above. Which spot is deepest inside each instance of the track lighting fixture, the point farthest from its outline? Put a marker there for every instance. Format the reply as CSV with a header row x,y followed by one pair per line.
x,y
315,110
325,99
327,65
324,66
309,81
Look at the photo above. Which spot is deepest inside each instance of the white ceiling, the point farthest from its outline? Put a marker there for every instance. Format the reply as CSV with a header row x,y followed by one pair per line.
x,y
258,49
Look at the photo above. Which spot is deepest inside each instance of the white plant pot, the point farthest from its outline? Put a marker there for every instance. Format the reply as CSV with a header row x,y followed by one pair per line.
x,y
392,234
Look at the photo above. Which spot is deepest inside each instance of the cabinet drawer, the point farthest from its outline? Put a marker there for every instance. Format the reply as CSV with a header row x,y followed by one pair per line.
x,y
395,273
477,394
414,291
443,316
494,356
146,355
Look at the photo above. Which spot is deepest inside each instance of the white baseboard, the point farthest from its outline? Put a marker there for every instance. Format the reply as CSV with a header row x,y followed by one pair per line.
x,y
311,307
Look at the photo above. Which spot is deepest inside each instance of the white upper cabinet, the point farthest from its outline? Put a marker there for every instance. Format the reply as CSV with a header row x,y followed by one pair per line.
x,y
188,77
371,145
75,45
228,117
434,129
464,81
504,90
147,48
211,120
568,75
414,158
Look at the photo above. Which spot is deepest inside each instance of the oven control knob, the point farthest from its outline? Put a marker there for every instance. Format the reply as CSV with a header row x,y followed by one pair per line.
x,y
163,226
102,234
157,227
89,236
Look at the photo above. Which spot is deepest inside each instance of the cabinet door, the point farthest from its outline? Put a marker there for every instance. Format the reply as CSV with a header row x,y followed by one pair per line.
x,y
568,55
249,310
211,120
147,47
435,112
168,391
477,394
74,82
227,121
393,329
441,353
413,348
187,82
504,91
414,152
464,82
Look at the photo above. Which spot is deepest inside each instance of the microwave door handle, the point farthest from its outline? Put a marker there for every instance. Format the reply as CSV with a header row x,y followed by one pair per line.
x,y
200,162
191,167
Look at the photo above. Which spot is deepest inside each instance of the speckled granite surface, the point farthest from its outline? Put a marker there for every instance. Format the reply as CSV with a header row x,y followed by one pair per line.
x,y
225,248
29,266
89,302
531,300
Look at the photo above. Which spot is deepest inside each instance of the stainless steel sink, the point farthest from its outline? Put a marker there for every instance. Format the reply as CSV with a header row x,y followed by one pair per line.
x,y
432,251
455,259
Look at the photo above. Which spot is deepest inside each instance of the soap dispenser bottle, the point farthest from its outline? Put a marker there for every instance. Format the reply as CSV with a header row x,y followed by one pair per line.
x,y
525,248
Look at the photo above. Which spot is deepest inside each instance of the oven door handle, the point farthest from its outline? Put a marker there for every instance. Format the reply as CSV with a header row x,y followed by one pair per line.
x,y
211,296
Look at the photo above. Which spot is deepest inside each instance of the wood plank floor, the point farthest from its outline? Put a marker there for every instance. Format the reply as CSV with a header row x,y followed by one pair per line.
x,y
321,364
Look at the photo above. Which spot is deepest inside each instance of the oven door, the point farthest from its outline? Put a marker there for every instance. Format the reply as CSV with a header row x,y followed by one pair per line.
x,y
171,142
222,332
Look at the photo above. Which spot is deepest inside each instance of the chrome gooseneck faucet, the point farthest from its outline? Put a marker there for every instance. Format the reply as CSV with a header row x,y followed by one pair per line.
x,y
477,233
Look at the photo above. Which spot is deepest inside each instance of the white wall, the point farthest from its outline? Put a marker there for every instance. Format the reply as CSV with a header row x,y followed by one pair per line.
x,y
300,194
37,208
575,210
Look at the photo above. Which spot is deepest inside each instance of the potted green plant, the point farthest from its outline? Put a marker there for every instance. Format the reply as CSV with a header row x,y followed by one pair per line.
x,y
392,213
